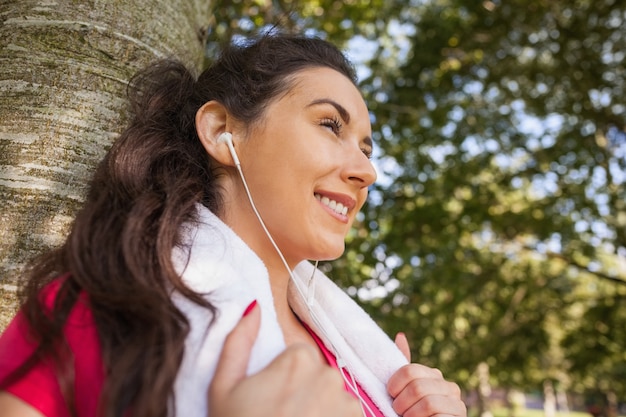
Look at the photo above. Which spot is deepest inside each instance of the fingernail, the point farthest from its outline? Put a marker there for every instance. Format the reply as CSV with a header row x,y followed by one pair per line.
x,y
249,308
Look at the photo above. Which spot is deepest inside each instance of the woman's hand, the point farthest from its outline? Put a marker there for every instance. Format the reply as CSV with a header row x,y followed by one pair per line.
x,y
420,391
296,383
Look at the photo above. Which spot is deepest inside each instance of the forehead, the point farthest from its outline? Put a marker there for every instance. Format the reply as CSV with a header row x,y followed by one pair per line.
x,y
325,83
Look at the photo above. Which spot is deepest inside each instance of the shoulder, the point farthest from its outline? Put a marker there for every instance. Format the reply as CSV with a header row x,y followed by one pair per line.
x,y
35,379
14,406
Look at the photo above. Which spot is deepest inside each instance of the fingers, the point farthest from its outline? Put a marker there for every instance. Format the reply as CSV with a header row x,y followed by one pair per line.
x,y
301,371
403,344
427,397
233,361
299,358
440,406
315,380
407,373
296,382
422,391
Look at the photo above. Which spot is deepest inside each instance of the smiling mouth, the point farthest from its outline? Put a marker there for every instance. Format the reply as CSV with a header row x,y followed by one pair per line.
x,y
332,204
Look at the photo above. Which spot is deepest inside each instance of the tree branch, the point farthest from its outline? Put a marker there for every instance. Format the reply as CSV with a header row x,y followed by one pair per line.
x,y
578,265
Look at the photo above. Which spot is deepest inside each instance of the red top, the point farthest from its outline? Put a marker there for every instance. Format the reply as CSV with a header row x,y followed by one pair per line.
x,y
368,407
40,387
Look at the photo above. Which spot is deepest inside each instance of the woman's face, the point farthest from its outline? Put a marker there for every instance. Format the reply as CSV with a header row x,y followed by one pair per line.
x,y
308,168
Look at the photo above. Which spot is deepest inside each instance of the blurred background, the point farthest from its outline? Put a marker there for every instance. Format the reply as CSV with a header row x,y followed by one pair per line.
x,y
495,237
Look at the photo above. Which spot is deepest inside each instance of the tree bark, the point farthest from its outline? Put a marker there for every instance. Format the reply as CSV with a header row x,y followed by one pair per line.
x,y
64,67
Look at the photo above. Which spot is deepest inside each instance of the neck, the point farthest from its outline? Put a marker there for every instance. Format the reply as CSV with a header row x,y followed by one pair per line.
x,y
280,277
243,221
293,330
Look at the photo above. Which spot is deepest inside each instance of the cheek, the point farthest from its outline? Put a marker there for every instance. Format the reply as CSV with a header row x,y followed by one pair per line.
x,y
362,199
359,205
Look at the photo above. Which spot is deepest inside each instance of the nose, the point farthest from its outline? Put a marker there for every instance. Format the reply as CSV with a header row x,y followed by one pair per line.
x,y
358,169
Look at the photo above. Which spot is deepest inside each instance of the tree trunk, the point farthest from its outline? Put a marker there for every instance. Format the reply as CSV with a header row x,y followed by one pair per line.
x,y
612,404
516,402
64,67
484,390
549,400
561,401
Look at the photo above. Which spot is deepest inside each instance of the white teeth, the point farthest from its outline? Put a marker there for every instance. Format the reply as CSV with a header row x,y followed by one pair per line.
x,y
335,206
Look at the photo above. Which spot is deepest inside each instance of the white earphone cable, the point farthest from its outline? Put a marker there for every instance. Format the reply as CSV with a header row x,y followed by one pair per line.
x,y
350,382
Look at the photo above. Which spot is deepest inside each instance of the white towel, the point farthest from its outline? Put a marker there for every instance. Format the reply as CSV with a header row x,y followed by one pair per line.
x,y
216,262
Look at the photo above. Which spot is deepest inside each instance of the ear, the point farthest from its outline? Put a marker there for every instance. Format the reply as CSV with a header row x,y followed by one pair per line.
x,y
212,119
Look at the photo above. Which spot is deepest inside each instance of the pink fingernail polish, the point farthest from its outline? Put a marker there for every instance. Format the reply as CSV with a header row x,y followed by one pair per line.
x,y
249,308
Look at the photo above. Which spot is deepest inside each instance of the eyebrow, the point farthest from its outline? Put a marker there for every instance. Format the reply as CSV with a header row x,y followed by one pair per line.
x,y
343,113
340,109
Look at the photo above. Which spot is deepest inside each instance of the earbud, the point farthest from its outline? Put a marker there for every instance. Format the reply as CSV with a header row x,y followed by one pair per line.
x,y
227,138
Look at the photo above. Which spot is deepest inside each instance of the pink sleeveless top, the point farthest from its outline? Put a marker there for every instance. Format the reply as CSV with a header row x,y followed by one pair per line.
x,y
368,407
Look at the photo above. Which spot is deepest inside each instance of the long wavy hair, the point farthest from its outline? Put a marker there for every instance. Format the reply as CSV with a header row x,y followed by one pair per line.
x,y
119,249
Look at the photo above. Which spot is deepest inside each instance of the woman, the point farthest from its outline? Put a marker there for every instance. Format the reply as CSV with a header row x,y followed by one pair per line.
x,y
206,207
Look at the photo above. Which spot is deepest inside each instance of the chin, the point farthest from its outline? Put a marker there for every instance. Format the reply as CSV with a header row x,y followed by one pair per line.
x,y
330,254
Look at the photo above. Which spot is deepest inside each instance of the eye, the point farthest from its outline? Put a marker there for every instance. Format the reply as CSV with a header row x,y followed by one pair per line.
x,y
367,151
334,124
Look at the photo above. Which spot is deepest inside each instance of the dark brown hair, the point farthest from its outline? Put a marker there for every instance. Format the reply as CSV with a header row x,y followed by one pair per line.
x,y
119,249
